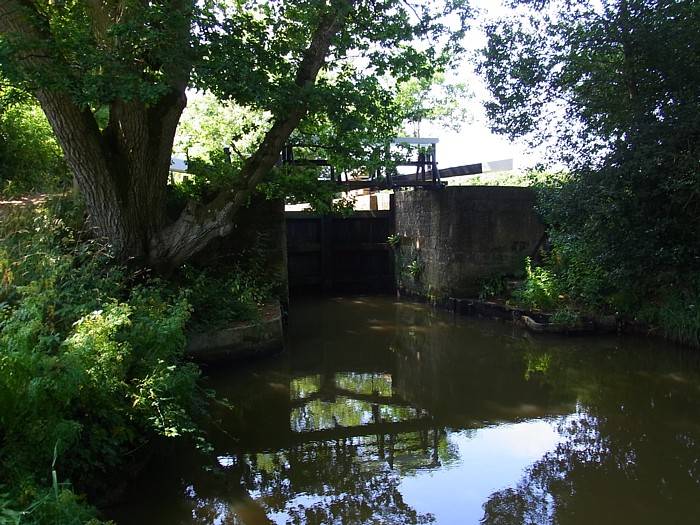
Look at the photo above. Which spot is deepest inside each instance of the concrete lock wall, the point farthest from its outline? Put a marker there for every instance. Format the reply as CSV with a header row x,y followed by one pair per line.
x,y
452,239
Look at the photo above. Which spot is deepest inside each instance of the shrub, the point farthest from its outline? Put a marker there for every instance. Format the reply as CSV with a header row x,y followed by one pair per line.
x,y
492,287
30,158
584,274
678,315
539,290
91,363
217,299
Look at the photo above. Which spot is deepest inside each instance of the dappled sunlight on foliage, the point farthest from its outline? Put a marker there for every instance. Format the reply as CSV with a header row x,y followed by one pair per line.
x,y
30,158
90,361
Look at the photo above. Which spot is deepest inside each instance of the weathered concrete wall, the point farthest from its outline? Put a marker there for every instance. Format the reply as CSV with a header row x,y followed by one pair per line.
x,y
240,340
453,238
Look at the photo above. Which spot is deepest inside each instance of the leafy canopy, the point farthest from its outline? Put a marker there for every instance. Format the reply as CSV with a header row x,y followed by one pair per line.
x,y
247,51
615,85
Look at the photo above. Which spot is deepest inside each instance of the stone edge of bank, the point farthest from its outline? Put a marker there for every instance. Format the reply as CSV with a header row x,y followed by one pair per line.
x,y
240,341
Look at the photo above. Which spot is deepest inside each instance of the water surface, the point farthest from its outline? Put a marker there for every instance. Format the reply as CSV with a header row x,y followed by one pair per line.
x,y
388,412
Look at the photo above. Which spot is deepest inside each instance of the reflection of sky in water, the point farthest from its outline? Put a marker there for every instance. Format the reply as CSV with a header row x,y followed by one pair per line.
x,y
489,459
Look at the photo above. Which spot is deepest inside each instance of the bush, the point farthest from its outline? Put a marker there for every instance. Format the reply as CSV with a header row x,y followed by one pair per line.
x,y
91,364
223,297
678,314
539,290
30,158
599,267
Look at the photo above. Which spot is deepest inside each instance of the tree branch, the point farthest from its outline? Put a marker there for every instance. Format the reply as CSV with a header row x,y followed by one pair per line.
x,y
199,225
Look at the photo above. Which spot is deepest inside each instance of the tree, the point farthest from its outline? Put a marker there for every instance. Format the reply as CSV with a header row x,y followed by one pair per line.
x,y
134,61
615,85
434,100
208,125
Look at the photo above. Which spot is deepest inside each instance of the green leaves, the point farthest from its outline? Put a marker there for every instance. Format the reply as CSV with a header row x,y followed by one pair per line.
x,y
90,363
432,100
30,158
98,52
612,92
539,290
252,55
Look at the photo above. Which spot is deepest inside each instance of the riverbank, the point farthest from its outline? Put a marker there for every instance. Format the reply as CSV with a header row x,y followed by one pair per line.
x,y
539,322
93,368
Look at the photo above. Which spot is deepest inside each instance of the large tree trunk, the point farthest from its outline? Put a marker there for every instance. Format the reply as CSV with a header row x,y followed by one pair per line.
x,y
121,171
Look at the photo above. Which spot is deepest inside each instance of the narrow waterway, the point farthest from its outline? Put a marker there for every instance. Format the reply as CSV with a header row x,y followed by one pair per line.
x,y
389,412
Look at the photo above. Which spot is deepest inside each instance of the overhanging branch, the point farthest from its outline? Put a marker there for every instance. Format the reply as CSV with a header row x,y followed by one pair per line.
x,y
199,225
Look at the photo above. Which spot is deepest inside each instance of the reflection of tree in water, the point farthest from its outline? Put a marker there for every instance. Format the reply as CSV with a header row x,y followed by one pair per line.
x,y
350,441
629,454
355,491
315,483
347,480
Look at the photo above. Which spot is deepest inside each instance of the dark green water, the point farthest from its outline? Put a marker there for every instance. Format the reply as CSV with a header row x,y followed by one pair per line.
x,y
386,412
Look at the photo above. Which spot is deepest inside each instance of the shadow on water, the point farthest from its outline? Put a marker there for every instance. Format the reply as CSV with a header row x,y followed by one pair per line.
x,y
387,412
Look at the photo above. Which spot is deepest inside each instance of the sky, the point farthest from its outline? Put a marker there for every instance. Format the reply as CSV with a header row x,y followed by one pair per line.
x,y
475,142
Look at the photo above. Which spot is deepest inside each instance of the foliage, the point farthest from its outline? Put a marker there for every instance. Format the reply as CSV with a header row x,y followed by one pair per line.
x,y
531,177
291,184
218,136
394,240
414,269
91,363
566,317
204,179
677,314
302,186
495,286
209,125
615,87
221,297
348,92
30,158
434,100
539,290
